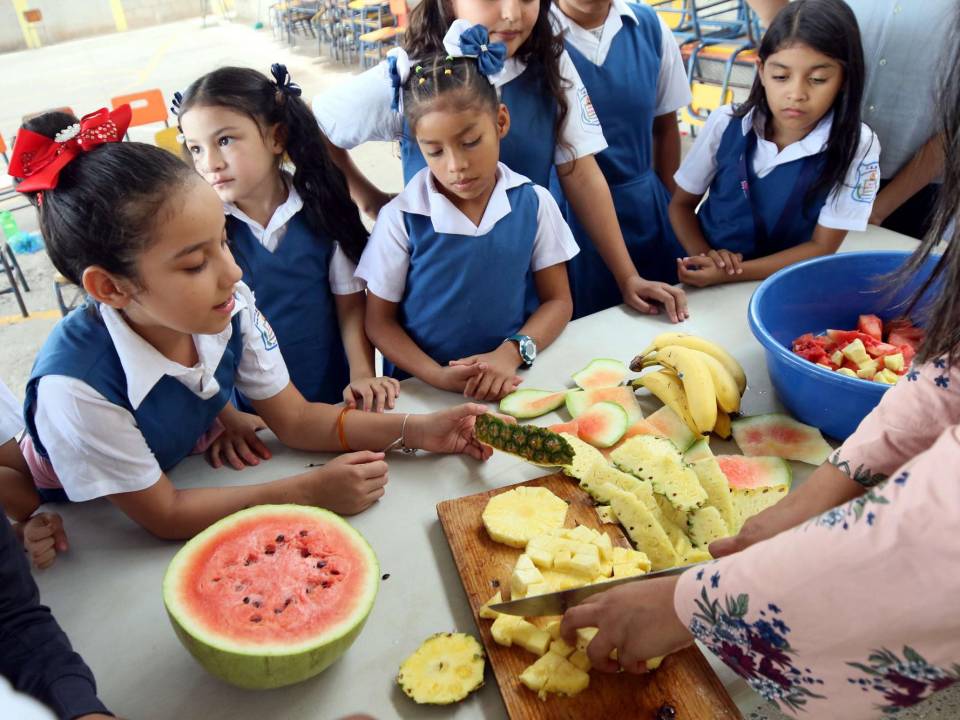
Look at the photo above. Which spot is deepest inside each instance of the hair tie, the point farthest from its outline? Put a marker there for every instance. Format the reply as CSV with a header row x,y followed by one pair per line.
x,y
464,40
175,103
398,70
283,80
39,159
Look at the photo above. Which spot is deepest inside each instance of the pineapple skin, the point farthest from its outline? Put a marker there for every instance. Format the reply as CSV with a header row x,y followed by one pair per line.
x,y
534,444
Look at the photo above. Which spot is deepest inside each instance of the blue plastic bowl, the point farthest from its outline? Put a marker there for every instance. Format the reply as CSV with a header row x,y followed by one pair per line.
x,y
811,297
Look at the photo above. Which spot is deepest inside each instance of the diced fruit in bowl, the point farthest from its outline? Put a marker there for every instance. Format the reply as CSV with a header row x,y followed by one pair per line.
x,y
862,353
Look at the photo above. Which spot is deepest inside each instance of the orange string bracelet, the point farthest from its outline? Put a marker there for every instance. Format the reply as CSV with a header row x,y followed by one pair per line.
x,y
341,435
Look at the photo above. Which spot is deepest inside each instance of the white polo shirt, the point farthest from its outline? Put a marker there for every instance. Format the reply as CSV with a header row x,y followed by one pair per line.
x,y
96,447
673,87
341,268
358,110
849,204
11,415
387,256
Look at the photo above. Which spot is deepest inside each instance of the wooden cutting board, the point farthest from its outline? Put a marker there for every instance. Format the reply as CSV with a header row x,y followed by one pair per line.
x,y
684,680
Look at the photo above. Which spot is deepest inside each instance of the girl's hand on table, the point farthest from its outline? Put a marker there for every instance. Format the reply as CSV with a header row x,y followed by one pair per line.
x,y
43,538
701,271
498,373
647,295
348,484
238,445
374,394
637,620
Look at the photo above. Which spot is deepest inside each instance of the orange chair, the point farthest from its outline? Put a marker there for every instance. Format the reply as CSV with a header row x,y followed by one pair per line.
x,y
147,106
3,149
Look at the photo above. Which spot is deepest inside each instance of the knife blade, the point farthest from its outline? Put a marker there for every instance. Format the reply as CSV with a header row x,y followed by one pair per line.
x,y
557,603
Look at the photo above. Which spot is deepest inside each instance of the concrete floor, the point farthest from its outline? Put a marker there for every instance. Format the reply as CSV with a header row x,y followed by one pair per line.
x,y
85,74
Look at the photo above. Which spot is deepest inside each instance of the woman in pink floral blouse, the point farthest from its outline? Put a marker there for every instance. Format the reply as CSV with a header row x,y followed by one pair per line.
x,y
843,600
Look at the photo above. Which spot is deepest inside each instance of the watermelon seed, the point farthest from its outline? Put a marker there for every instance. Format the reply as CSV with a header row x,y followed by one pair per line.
x,y
256,619
304,553
334,572
385,576
246,601
216,579
257,603
320,565
325,584
280,538
270,549
303,533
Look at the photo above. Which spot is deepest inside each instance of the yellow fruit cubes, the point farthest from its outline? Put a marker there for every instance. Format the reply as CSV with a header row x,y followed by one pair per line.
x,y
856,351
887,377
894,362
509,630
485,611
525,574
553,673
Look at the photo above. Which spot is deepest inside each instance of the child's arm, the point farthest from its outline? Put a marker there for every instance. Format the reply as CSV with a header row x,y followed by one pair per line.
x,y
18,496
924,168
499,366
396,345
666,148
686,226
365,390
368,197
238,445
586,189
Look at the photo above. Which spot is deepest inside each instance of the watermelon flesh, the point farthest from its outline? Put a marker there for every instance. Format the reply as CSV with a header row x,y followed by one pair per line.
x,y
830,349
602,425
529,403
579,401
780,436
571,428
748,473
271,595
601,373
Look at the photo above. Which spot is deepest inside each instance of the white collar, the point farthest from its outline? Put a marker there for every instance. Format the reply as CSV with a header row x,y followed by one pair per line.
x,y
585,40
512,68
144,366
270,235
421,197
815,141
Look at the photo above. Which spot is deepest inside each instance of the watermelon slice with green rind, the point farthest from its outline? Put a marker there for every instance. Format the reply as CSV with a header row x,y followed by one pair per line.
x,y
271,595
579,401
529,403
601,373
603,424
781,436
754,472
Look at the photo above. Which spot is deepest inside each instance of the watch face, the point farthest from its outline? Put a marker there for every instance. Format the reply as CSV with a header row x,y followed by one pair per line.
x,y
528,350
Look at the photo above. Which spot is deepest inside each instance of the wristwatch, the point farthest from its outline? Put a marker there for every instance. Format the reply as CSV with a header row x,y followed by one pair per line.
x,y
527,348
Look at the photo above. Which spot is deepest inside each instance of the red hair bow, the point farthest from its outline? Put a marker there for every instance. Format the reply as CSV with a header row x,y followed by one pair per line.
x,y
39,159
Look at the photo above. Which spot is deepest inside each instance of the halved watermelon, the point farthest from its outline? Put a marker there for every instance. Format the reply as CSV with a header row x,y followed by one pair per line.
x,y
601,373
603,424
530,403
754,472
781,436
271,595
579,401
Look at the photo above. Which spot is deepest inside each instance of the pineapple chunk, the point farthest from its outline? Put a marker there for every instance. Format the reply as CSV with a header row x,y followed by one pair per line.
x,y
654,663
888,377
503,628
856,351
627,570
846,371
531,638
567,679
657,460
713,480
444,670
584,636
837,358
539,588
894,362
559,647
695,555
585,456
644,530
606,515
585,561
579,659
525,573
486,612
553,627
583,534
706,525
867,369
558,580
602,541
535,676
515,516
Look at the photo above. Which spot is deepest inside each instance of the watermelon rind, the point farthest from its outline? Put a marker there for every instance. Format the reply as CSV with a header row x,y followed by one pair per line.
x,y
673,428
579,401
602,372
700,450
529,403
812,449
260,667
603,424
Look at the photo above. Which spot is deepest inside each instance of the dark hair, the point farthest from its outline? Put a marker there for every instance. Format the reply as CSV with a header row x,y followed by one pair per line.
x,y
47,124
942,316
430,20
456,80
829,27
106,205
328,209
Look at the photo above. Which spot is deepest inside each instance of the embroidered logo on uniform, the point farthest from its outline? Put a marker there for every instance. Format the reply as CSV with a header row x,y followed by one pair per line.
x,y
868,182
267,334
588,116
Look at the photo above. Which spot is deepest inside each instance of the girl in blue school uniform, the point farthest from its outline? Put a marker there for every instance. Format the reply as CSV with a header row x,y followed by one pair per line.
x,y
296,235
791,170
632,68
466,267
132,382
556,131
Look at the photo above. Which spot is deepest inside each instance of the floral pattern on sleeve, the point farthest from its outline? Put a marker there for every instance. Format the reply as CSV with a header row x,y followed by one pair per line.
x,y
757,650
860,508
902,681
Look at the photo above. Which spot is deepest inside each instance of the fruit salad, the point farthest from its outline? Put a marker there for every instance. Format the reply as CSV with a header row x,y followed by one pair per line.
x,y
874,351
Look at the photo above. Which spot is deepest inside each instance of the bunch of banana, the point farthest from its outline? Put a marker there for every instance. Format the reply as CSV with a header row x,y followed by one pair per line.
x,y
698,380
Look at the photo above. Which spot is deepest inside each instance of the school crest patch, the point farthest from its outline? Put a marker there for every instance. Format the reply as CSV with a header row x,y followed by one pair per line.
x,y
588,115
267,335
868,182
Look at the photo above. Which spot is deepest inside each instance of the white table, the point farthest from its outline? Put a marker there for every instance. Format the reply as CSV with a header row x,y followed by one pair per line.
x,y
106,590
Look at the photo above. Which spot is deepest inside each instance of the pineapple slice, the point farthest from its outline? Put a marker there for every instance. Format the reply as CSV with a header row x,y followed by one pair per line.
x,y
696,555
515,516
485,611
606,515
715,483
444,670
644,530
657,460
585,456
534,444
706,525
525,574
